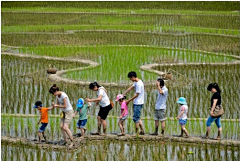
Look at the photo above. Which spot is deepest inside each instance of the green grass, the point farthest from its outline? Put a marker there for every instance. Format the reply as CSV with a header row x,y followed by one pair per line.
x,y
204,21
144,28
121,60
117,11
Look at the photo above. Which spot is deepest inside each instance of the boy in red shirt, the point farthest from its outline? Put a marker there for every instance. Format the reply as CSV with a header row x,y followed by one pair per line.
x,y
43,119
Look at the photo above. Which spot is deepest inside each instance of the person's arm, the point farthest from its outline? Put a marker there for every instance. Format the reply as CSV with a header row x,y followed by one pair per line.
x,y
213,106
128,90
64,104
159,88
180,114
135,96
39,121
94,100
127,101
89,104
75,113
50,108
123,113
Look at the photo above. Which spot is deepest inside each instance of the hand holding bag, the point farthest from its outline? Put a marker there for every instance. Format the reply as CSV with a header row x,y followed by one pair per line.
x,y
217,112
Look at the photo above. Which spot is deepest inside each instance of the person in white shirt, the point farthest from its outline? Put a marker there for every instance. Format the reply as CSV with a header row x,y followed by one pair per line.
x,y
160,107
67,110
138,100
105,106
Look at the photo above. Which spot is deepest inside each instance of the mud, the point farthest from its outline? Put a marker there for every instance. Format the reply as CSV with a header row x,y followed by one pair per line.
x,y
78,142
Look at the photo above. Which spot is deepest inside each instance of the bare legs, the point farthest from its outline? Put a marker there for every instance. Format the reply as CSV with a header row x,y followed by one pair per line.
x,y
219,133
137,125
66,131
121,125
183,130
40,137
157,125
101,123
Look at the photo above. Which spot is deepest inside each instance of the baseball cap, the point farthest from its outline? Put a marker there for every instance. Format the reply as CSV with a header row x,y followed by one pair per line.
x,y
119,96
80,102
38,103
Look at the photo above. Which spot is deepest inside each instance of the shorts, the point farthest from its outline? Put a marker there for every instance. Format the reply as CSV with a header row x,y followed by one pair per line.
x,y
137,112
43,127
124,118
182,122
160,115
68,117
103,112
81,123
211,119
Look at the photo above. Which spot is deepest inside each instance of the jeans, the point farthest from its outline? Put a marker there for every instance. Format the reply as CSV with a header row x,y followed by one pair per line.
x,y
211,119
137,112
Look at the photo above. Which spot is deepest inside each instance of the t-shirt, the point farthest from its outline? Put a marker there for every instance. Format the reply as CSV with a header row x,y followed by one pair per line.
x,y
217,96
105,100
161,99
82,112
124,106
44,115
185,109
139,88
60,100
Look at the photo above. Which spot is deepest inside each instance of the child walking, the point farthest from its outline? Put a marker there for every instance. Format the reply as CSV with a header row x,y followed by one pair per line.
x,y
82,110
43,119
124,112
182,115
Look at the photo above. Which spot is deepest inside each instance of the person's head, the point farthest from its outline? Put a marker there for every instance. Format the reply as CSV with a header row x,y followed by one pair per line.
x,y
161,81
120,98
182,101
54,89
94,86
132,76
80,102
213,87
38,105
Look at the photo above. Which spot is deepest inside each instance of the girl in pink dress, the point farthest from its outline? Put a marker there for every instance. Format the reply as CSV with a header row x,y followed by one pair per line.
x,y
124,112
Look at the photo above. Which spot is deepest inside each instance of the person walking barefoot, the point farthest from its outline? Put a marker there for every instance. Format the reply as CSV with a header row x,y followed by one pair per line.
x,y
216,100
67,110
182,115
160,107
105,107
124,112
138,100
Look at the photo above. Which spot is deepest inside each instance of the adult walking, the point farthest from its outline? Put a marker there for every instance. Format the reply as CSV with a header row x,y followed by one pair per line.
x,y
138,100
67,112
160,106
215,101
105,106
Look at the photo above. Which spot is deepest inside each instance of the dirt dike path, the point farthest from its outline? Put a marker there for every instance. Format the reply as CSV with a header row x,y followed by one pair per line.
x,y
55,145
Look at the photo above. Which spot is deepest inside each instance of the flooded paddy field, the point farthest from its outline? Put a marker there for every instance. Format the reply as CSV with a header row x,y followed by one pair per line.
x,y
196,45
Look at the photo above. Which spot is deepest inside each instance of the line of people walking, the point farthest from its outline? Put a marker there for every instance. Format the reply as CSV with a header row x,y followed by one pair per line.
x,y
106,105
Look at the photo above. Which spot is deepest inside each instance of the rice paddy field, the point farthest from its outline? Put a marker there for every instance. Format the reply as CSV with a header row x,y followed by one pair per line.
x,y
120,37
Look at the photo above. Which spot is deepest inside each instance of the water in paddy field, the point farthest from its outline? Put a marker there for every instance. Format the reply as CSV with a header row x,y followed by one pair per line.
x,y
30,83
121,39
26,127
115,150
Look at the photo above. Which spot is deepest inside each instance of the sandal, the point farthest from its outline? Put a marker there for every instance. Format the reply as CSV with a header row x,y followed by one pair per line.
x,y
95,133
142,133
121,134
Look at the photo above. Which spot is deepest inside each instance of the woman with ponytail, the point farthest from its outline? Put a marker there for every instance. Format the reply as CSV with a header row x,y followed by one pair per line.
x,y
67,112
216,100
105,106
